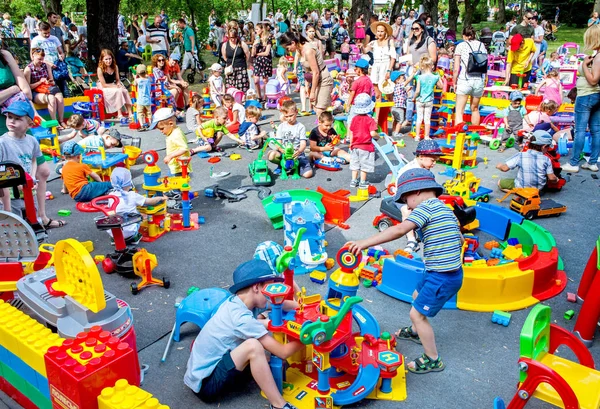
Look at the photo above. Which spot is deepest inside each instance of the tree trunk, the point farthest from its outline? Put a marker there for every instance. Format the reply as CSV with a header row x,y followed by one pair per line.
x,y
340,6
453,14
470,6
397,7
431,7
360,7
596,6
102,24
501,18
55,6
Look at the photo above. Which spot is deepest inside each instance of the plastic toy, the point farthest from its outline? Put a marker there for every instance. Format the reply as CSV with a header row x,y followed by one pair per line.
x,y
64,212
318,277
589,286
527,202
390,147
462,151
215,191
259,169
551,378
337,207
124,394
103,163
288,163
569,314
572,297
275,210
467,186
501,318
328,163
143,264
274,91
506,286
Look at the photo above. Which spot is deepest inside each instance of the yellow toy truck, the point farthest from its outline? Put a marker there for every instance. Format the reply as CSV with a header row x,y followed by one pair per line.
x,y
527,202
466,185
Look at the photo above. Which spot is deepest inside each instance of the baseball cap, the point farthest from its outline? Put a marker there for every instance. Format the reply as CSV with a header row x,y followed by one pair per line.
x,y
160,115
515,42
20,108
252,272
516,96
362,63
71,148
396,74
117,135
542,138
140,69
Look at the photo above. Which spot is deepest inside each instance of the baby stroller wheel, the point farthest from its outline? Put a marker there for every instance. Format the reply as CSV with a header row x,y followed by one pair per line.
x,y
191,78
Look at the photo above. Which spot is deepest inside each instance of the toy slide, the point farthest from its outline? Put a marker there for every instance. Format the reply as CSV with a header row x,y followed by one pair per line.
x,y
367,323
307,257
365,382
275,210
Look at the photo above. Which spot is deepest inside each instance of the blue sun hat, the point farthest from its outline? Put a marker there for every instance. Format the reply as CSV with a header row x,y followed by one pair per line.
x,y
395,75
362,64
363,104
269,251
428,147
416,179
71,148
542,138
252,272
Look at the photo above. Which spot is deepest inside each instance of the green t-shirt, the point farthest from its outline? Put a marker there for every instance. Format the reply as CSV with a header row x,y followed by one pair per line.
x,y
187,43
213,125
525,31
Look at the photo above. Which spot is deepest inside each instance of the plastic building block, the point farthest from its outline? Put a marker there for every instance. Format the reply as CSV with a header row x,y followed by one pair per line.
x,y
496,253
64,212
329,263
152,403
491,245
368,283
501,318
122,396
569,314
512,252
318,277
512,241
571,297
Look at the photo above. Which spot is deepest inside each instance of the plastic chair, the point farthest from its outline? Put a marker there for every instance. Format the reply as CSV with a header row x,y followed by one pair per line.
x,y
198,307
147,54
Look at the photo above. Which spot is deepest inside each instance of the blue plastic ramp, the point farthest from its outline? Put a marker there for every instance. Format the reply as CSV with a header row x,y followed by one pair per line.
x,y
365,320
363,385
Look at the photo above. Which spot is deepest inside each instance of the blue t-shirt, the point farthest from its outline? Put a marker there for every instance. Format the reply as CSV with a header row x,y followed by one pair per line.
x,y
441,236
143,91
231,325
427,82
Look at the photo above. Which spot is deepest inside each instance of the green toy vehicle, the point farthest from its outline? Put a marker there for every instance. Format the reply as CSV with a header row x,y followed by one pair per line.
x,y
289,163
259,169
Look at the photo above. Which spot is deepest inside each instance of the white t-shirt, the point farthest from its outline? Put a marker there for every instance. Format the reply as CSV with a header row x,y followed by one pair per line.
x,y
408,22
291,133
31,24
216,84
413,164
538,32
240,110
128,203
50,46
464,51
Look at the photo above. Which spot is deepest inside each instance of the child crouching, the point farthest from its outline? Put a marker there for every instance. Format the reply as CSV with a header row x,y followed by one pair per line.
x,y
249,133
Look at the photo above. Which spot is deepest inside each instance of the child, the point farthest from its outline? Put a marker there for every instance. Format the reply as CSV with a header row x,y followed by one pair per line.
x,y
75,176
129,200
540,119
251,99
426,155
345,51
362,150
215,82
281,75
400,97
535,168
513,118
553,90
192,115
360,85
144,98
93,143
19,147
236,113
211,132
249,132
321,140
233,340
554,61
442,240
82,127
177,144
291,131
426,82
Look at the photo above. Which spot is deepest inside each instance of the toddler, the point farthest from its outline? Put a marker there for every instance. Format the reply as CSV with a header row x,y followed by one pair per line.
x,y
211,132
426,83
236,113
400,97
129,200
291,131
75,176
360,85
345,51
553,90
82,127
512,117
251,99
540,118
443,276
321,140
281,75
143,101
249,132
193,117
215,82
362,150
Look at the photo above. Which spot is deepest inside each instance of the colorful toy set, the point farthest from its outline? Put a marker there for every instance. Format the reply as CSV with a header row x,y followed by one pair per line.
x,y
466,185
586,324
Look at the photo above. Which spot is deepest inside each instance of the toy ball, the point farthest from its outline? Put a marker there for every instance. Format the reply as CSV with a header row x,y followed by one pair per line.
x,y
208,132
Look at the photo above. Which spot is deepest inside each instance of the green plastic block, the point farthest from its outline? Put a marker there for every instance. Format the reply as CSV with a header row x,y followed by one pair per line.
x,y
569,314
49,124
64,212
368,283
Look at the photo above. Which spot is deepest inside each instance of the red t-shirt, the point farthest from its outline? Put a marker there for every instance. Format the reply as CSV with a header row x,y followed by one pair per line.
x,y
172,71
361,85
361,128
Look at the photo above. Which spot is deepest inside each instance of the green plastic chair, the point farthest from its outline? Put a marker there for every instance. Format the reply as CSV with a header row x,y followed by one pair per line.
x,y
147,54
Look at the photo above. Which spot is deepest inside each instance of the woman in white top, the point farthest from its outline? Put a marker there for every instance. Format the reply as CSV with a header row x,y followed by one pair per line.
x,y
384,57
467,84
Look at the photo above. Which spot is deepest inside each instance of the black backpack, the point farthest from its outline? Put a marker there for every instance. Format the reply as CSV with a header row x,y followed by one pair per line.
x,y
478,61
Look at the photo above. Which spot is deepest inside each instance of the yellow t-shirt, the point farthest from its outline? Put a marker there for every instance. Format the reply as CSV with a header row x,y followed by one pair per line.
x,y
519,58
175,142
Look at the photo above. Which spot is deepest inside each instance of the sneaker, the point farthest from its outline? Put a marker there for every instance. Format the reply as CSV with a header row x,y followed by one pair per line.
x,y
286,406
173,195
277,171
363,185
570,168
354,183
592,168
135,239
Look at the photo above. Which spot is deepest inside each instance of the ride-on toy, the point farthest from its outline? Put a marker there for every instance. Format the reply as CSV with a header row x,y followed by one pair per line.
x,y
259,169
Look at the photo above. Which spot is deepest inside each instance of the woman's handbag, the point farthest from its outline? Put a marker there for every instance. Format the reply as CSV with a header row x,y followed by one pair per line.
x,y
229,69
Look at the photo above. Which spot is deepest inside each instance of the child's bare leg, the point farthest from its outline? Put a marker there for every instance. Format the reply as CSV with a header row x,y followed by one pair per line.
x,y
422,327
274,157
42,174
355,175
252,352
342,154
315,155
363,176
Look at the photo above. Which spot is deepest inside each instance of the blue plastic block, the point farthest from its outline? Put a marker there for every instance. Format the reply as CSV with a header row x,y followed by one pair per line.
x,y
22,369
42,385
501,318
512,241
496,253
201,220
3,355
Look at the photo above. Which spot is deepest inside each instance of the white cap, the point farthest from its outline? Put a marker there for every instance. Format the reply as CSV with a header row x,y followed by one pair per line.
x,y
160,115
216,67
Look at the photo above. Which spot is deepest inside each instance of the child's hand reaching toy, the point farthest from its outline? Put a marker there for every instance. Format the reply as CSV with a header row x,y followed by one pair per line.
x,y
356,247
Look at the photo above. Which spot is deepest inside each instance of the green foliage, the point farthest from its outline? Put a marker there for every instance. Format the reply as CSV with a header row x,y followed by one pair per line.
x,y
480,13
18,8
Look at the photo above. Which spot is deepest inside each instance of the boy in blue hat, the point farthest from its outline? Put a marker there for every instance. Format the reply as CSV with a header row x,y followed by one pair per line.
x,y
442,242
233,340
18,147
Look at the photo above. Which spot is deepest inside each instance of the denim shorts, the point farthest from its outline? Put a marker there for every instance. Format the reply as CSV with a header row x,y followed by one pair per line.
x,y
435,289
223,378
472,86
92,191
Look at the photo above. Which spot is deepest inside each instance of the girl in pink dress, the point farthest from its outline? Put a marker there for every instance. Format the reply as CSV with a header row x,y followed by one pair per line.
x,y
552,87
359,29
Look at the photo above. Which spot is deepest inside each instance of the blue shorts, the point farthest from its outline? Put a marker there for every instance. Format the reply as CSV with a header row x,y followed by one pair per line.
x,y
435,289
223,378
303,164
92,191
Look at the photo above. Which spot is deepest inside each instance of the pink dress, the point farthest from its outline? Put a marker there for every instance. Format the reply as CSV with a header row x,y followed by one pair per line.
x,y
359,30
552,92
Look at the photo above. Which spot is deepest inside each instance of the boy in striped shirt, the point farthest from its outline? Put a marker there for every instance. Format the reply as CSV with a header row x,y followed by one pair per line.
x,y
82,127
442,244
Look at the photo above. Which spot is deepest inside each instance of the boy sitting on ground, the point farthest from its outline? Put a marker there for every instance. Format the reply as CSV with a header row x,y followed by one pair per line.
x,y
321,140
249,132
75,176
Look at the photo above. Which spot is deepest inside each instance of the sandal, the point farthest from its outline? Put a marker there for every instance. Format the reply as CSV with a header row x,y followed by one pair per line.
x,y
49,225
408,334
501,148
412,246
424,364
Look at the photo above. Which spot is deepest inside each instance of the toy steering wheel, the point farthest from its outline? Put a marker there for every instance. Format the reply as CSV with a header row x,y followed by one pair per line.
x,y
347,260
150,157
106,204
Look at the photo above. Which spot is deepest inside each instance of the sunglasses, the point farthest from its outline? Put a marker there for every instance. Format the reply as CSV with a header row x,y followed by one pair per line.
x,y
530,18
416,29
161,60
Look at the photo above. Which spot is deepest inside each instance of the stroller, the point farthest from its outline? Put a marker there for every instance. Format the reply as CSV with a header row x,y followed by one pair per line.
x,y
198,65
486,38
498,43
274,91
550,31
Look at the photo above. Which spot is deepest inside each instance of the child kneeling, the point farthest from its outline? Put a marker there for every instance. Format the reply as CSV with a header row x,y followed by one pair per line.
x,y
321,140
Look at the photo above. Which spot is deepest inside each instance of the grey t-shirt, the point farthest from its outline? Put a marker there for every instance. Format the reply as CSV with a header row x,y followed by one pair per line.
x,y
190,119
231,325
291,133
23,151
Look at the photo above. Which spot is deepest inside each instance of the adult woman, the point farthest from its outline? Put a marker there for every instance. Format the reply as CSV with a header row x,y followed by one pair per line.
x,y
384,56
311,36
116,95
420,43
249,36
467,84
263,63
320,31
429,27
587,104
397,34
39,76
359,29
237,56
160,71
312,60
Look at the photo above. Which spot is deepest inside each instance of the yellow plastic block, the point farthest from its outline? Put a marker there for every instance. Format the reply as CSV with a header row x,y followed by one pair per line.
x,y
77,275
122,396
512,252
361,196
152,403
25,337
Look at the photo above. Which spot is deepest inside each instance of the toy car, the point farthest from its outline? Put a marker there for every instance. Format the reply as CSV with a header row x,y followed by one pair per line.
x,y
259,172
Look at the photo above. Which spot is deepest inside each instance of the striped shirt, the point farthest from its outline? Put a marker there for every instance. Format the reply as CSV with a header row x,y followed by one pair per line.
x,y
158,33
90,126
533,166
441,236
